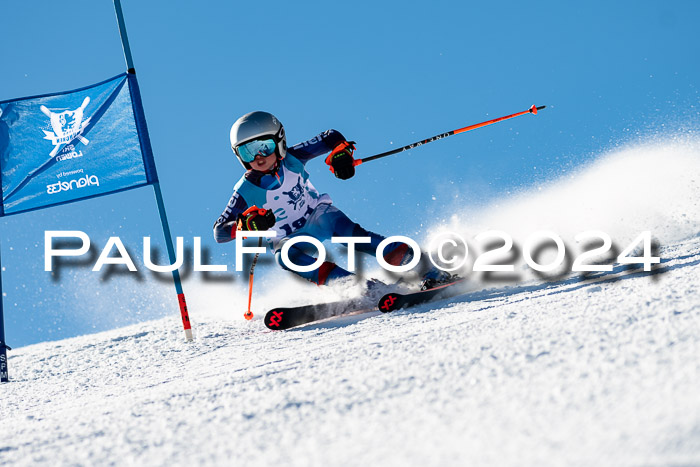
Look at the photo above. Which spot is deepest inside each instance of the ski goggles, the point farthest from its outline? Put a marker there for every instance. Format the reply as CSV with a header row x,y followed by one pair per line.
x,y
259,147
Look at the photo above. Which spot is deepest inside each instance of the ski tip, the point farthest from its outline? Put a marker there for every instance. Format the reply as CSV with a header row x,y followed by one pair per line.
x,y
273,319
388,302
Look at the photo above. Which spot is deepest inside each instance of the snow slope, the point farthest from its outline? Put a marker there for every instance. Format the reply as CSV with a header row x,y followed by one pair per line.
x,y
583,371
578,372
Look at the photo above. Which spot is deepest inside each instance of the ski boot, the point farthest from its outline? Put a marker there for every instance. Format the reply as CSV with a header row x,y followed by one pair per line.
x,y
435,278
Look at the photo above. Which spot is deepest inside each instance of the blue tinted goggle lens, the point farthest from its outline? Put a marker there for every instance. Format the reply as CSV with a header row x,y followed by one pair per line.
x,y
259,147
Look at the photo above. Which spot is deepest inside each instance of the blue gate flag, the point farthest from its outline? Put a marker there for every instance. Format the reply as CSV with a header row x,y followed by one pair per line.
x,y
63,147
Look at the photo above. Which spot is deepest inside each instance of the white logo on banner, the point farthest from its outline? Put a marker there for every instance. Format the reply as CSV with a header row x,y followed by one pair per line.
x,y
87,180
66,126
69,152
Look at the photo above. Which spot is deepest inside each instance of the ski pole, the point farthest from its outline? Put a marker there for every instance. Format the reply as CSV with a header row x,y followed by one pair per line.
x,y
249,314
265,213
533,110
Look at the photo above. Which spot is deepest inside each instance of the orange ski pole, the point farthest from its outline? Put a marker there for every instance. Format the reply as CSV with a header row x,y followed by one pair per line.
x,y
249,314
532,110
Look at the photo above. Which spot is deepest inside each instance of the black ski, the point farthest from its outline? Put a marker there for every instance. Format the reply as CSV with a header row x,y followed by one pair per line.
x,y
394,301
285,318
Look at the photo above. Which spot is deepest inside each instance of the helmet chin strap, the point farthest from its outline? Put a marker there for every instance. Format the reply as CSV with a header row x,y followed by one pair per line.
x,y
275,168
278,159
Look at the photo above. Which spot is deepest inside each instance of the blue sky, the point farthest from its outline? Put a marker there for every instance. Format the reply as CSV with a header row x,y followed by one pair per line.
x,y
383,73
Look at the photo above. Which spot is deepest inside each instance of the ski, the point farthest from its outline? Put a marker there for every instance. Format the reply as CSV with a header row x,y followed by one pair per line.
x,y
393,301
279,319
285,318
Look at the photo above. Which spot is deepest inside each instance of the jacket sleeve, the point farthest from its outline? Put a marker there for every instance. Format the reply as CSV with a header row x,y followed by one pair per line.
x,y
225,225
317,146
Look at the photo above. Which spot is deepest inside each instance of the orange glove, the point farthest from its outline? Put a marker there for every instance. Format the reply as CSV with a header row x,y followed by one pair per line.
x,y
256,219
340,160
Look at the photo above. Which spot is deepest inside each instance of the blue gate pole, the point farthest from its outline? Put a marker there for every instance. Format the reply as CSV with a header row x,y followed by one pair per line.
x,y
156,185
4,377
171,255
125,40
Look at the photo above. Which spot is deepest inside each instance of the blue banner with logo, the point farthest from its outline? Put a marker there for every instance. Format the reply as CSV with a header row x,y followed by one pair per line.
x,y
63,147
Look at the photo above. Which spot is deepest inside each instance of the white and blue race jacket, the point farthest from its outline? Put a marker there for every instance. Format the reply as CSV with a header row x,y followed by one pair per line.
x,y
288,192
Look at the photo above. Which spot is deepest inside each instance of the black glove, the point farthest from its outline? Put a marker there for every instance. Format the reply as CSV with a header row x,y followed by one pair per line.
x,y
256,219
340,160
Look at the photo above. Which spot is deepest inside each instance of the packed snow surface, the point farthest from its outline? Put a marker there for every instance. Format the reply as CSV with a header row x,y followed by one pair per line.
x,y
602,369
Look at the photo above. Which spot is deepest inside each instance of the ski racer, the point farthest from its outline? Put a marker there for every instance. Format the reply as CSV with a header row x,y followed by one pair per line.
x,y
275,193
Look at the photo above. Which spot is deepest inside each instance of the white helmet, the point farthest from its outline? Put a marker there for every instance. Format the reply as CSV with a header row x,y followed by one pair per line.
x,y
257,133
